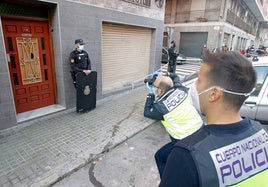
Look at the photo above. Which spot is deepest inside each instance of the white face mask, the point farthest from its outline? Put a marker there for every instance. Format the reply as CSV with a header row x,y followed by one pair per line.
x,y
229,92
81,47
195,95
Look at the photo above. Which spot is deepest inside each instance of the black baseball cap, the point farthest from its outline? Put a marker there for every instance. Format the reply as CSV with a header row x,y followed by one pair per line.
x,y
80,41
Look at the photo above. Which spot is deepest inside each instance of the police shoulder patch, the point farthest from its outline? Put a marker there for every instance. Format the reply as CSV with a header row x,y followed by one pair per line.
x,y
72,60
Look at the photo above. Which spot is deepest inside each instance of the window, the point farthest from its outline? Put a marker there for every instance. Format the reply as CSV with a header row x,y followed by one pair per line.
x,y
262,72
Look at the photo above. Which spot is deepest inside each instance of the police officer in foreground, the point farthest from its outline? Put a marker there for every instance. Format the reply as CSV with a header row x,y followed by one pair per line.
x,y
229,150
168,100
79,60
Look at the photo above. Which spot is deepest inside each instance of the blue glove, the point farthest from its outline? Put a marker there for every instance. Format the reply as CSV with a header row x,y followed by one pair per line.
x,y
150,88
156,74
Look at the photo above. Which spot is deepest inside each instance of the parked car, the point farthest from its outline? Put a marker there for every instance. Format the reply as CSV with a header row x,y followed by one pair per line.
x,y
256,105
261,50
164,56
180,58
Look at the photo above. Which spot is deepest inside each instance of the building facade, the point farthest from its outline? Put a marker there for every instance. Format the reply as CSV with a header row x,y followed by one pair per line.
x,y
237,24
264,34
123,39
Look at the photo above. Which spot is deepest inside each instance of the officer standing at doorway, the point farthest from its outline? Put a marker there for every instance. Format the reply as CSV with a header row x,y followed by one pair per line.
x,y
79,60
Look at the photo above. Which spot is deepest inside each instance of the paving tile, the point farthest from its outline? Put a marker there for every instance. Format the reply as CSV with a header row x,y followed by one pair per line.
x,y
50,146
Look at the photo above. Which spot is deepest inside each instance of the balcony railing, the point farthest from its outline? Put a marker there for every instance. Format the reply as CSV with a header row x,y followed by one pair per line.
x,y
210,15
194,16
240,23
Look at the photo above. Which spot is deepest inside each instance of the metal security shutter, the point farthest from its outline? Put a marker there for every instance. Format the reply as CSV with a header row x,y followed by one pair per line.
x,y
125,55
191,43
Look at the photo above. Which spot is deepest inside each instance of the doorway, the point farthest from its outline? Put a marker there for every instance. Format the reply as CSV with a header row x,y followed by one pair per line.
x,y
30,63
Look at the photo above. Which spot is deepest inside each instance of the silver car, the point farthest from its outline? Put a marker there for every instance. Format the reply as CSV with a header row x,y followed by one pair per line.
x,y
179,60
256,106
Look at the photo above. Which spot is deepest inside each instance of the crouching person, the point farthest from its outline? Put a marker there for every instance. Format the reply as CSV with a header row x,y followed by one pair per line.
x,y
168,100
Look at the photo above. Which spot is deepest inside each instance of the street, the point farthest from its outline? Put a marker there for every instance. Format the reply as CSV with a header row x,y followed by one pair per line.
x,y
185,69
130,164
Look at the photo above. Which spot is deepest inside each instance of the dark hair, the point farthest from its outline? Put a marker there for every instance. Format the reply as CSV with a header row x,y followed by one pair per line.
x,y
174,44
233,72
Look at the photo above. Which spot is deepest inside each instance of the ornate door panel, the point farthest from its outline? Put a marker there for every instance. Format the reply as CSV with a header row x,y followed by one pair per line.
x,y
30,65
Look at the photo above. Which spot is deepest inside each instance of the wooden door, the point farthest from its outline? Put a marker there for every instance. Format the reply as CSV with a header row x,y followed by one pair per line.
x,y
30,63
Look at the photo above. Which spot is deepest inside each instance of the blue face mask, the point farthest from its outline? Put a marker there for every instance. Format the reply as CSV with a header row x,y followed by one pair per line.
x,y
155,93
81,47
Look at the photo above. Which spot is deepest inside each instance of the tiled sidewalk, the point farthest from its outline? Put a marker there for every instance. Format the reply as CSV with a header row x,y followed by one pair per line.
x,y
51,147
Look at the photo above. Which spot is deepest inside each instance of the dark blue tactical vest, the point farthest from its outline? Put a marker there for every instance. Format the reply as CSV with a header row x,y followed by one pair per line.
x,y
230,158
81,60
